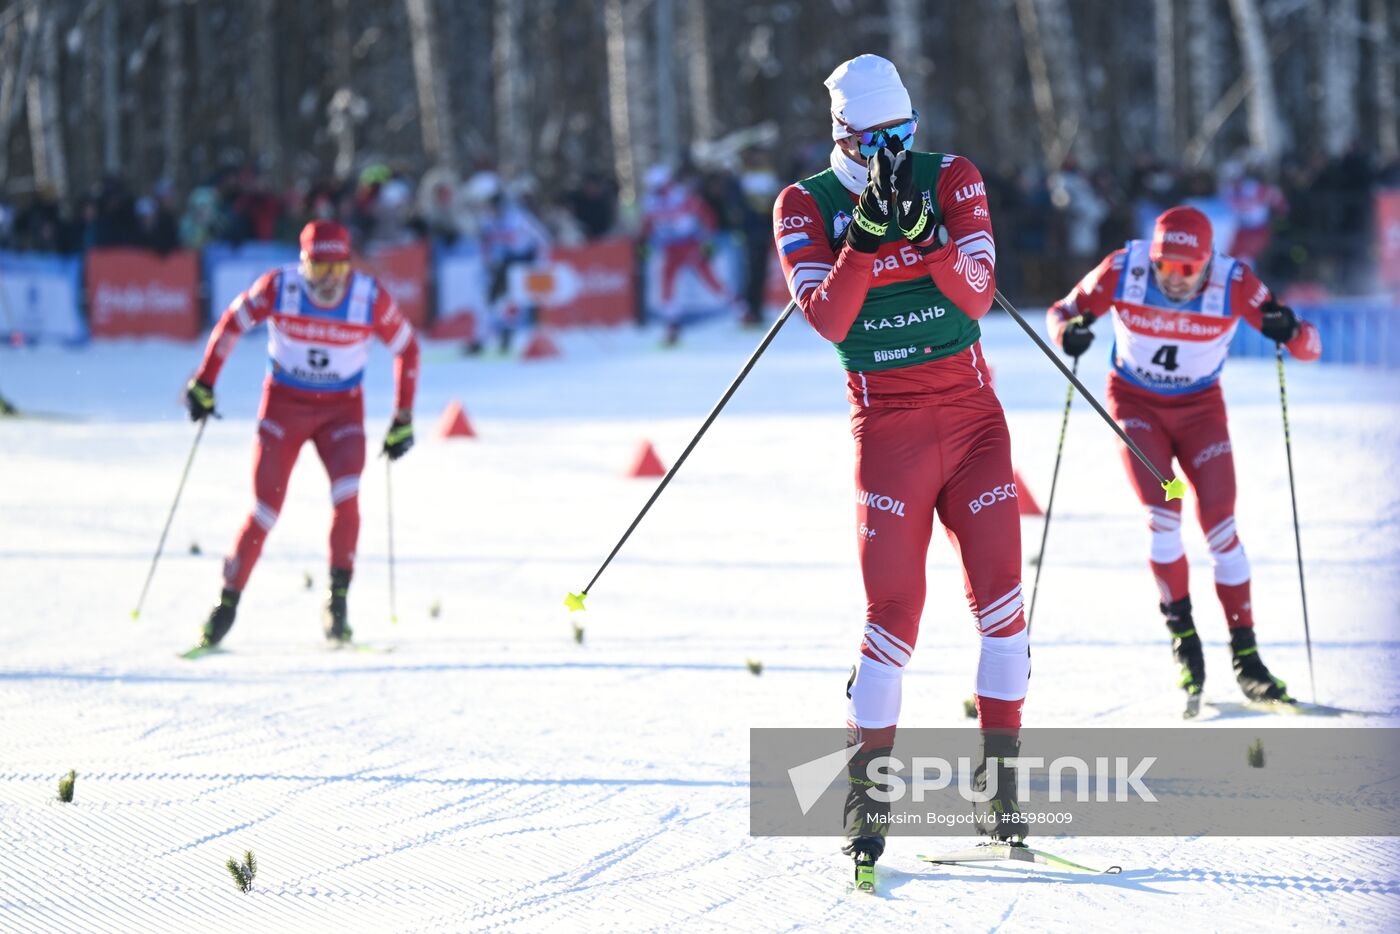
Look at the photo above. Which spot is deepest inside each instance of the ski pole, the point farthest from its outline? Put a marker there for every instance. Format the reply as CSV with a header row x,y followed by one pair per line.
x,y
1293,496
389,500
136,613
1175,488
1050,504
574,601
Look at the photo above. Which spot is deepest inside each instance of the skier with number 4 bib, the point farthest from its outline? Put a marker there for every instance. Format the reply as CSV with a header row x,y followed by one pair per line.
x,y
889,255
1175,304
320,314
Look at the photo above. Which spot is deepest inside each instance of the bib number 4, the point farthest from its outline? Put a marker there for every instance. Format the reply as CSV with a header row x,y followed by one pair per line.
x,y
1165,357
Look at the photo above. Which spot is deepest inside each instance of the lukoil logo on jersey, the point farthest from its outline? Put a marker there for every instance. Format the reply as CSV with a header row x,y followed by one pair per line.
x,y
997,494
889,504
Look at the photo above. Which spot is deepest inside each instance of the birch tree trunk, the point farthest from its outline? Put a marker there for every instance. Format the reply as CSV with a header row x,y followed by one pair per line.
x,y
1202,64
265,129
434,108
509,77
21,37
1261,102
1387,115
45,128
1168,140
172,40
345,109
626,105
702,105
1340,68
907,48
111,89
668,142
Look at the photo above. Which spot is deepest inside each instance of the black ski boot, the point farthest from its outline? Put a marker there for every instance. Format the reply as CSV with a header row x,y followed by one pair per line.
x,y
220,620
1254,679
1186,649
866,819
336,623
1000,816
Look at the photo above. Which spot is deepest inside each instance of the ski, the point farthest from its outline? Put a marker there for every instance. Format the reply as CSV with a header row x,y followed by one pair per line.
x,y
364,648
199,651
1014,852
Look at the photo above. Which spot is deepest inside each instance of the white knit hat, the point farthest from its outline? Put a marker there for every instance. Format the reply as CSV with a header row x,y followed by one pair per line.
x,y
865,92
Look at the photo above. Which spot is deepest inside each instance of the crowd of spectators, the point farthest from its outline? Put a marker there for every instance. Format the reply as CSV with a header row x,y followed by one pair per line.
x,y
1308,222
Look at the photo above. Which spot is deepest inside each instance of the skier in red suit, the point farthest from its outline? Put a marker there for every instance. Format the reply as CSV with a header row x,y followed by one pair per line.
x,y
321,315
1174,304
889,255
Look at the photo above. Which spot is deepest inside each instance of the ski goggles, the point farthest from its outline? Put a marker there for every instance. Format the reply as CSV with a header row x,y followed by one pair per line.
x,y
314,270
898,137
1174,268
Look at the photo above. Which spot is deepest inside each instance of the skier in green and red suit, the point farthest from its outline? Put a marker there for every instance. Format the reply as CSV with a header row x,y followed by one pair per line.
x,y
889,255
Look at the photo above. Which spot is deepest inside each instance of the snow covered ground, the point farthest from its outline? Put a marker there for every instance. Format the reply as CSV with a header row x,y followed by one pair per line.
x,y
490,773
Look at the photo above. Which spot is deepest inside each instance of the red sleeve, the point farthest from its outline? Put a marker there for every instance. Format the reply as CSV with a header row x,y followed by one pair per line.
x,y
1248,293
965,267
397,334
248,309
828,287
1092,296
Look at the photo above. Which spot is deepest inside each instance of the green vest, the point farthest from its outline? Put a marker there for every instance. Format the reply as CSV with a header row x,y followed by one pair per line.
x,y
903,323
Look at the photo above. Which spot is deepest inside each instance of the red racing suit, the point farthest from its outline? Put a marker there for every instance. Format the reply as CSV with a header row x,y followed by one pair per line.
x,y
677,222
929,432
1164,391
317,358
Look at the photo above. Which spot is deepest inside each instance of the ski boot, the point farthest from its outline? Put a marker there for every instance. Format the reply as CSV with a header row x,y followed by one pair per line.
x,y
1254,679
866,819
1001,817
220,620
1186,649
335,623
672,337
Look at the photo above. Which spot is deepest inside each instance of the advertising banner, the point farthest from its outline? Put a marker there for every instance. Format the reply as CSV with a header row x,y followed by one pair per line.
x,y
140,293
39,295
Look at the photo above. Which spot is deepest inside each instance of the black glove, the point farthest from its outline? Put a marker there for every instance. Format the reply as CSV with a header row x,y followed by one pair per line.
x,y
1076,337
911,210
399,438
199,399
875,210
1278,322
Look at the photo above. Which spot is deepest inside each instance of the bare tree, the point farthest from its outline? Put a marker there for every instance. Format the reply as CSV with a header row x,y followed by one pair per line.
x,y
668,137
1203,65
20,37
1261,102
111,90
434,108
702,105
265,127
1164,18
1340,68
512,118
172,40
42,103
1383,61
907,47
626,97
1058,91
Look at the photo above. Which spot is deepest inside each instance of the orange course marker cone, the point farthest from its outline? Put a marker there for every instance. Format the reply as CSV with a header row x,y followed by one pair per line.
x,y
453,423
540,347
647,464
1025,502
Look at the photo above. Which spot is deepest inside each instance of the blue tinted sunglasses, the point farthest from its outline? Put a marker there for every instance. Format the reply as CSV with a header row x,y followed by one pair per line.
x,y
898,137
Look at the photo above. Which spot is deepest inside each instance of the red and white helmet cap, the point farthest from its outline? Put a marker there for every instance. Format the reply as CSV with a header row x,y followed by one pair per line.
x,y
1181,235
325,242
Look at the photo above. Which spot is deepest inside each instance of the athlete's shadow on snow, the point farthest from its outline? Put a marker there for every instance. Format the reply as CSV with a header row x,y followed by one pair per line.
x,y
1137,880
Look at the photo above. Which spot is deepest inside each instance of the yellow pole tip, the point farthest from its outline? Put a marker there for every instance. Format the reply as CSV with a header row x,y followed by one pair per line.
x,y
1175,488
394,620
574,601
135,614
